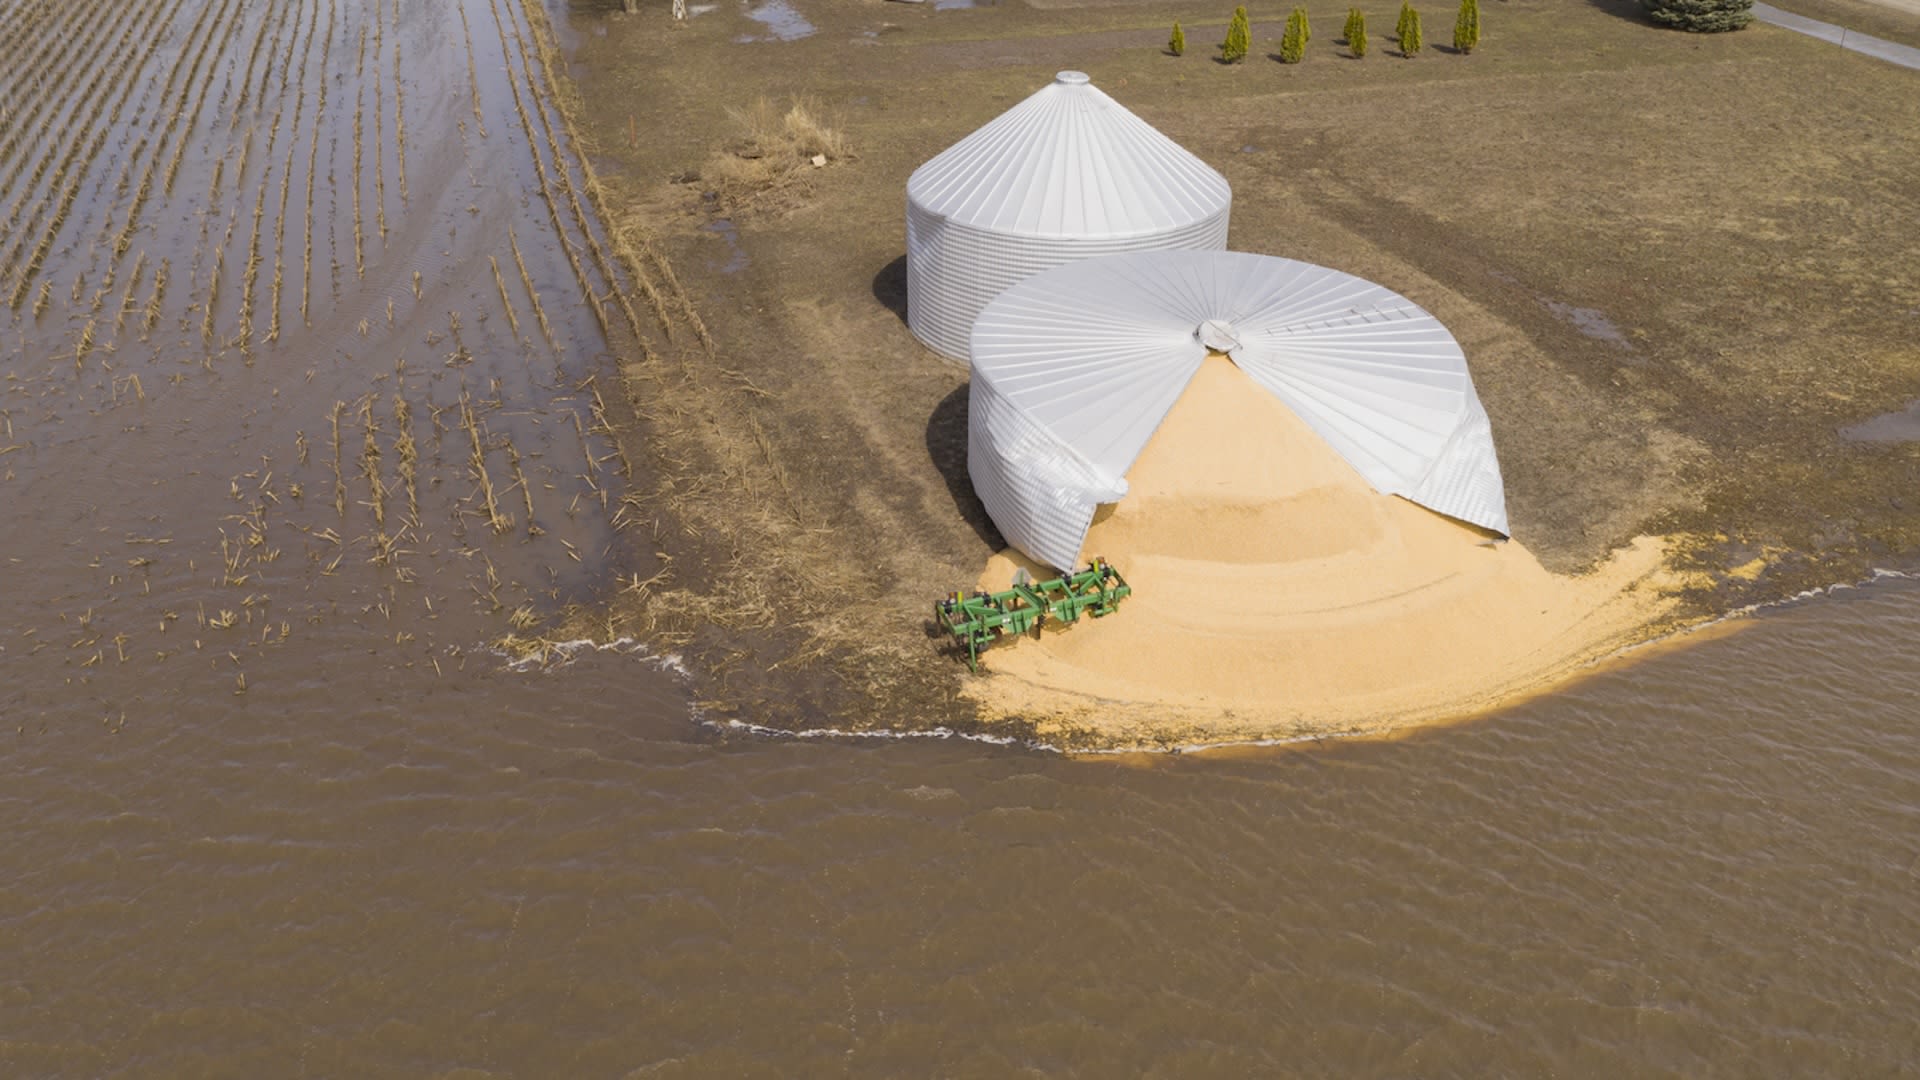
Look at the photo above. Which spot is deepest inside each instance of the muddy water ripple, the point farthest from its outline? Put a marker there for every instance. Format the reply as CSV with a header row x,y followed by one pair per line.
x,y
1699,864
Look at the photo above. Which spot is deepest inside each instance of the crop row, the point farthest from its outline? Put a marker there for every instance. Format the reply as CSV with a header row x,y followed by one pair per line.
x,y
313,160
589,294
19,26
186,103
36,127
642,274
50,66
66,180
192,113
286,173
399,108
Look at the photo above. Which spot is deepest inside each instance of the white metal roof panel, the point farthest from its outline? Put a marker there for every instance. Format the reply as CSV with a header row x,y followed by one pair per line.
x,y
1067,174
1095,354
1069,162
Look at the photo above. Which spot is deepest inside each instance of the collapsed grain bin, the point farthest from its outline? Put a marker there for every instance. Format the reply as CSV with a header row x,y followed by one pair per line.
x,y
1075,368
1067,174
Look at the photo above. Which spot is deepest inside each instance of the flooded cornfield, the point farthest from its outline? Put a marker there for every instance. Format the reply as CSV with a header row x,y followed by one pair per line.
x,y
309,330
314,330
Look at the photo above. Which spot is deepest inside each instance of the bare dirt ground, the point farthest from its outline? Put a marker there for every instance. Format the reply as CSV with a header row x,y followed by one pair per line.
x,y
1679,266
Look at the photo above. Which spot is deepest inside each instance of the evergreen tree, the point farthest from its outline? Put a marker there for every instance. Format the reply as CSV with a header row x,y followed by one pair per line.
x,y
1466,26
1293,43
1306,27
1700,16
1356,32
1400,27
1239,38
1410,37
1177,44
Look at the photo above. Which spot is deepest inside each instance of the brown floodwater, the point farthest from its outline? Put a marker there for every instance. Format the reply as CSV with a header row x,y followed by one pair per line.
x,y
1702,863
272,804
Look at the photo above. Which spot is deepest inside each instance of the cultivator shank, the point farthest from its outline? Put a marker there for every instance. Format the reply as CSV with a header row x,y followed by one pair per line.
x,y
981,618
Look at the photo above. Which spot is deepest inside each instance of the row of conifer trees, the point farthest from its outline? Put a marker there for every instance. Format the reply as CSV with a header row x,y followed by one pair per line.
x,y
1293,41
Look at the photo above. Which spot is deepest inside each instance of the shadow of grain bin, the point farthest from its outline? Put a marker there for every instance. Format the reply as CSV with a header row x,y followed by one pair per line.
x,y
947,448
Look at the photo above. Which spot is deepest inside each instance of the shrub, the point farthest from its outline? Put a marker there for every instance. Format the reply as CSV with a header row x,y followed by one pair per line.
x,y
1293,43
1239,38
1700,16
1466,26
1410,37
1356,32
1177,44
1400,27
1306,28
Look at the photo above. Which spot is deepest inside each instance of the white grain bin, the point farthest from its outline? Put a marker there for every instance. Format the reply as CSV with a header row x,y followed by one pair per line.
x,y
1066,174
1074,369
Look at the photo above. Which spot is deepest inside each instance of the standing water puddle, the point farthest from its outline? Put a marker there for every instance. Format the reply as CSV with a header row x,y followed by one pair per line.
x,y
1901,425
782,20
736,255
1591,322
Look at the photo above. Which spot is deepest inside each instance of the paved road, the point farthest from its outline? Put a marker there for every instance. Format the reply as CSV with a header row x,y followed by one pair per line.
x,y
1892,52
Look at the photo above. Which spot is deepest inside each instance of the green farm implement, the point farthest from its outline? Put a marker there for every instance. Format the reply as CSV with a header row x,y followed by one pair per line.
x,y
981,618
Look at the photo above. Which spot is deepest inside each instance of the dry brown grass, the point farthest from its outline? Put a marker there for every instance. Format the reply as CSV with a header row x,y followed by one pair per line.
x,y
772,149
1861,16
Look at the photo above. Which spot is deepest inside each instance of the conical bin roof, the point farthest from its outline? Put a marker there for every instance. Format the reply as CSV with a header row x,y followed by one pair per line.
x,y
1074,368
1069,162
